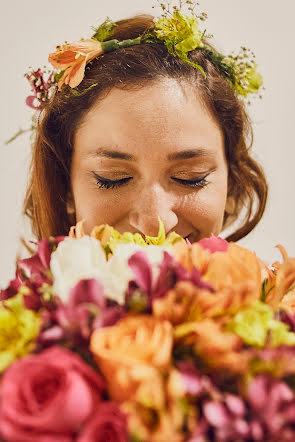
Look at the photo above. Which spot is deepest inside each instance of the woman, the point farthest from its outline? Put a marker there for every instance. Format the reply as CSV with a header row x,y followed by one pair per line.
x,y
145,135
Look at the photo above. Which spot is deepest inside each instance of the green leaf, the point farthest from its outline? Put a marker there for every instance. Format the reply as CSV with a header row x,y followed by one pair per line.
x,y
58,75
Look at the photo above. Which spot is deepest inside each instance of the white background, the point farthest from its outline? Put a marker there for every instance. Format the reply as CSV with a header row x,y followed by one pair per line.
x,y
29,30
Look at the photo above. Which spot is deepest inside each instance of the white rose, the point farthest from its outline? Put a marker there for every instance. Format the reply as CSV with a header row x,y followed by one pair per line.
x,y
76,259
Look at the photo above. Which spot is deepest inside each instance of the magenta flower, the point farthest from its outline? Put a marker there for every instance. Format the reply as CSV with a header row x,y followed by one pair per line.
x,y
35,268
273,404
11,290
288,318
34,272
170,272
85,311
193,380
267,413
40,88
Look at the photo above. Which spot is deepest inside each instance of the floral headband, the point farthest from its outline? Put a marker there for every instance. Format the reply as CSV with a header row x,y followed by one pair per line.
x,y
180,34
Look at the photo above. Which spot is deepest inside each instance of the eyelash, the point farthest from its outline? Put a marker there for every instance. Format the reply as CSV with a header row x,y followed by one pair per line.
x,y
105,183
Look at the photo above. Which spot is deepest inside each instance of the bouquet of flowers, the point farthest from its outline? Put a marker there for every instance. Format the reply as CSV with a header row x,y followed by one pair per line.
x,y
112,337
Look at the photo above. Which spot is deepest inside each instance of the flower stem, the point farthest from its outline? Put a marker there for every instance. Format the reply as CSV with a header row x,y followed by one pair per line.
x,y
111,45
20,132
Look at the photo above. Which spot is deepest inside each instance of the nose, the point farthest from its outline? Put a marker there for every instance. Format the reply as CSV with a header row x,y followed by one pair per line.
x,y
151,203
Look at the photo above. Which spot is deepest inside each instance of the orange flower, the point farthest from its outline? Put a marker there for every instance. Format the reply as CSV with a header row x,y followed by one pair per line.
x,y
192,256
131,355
179,304
222,269
187,302
146,425
77,231
72,58
167,429
141,420
220,349
282,294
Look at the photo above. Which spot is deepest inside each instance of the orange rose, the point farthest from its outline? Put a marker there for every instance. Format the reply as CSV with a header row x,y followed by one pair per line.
x,y
131,355
72,58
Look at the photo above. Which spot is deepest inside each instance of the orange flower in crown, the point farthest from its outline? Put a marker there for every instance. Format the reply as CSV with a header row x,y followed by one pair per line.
x,y
72,58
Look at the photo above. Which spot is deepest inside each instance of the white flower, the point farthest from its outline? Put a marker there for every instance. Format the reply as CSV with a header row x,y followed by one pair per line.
x,y
84,258
76,259
118,263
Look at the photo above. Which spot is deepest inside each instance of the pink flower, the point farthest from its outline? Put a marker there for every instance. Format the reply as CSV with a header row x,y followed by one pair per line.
x,y
107,424
48,397
214,244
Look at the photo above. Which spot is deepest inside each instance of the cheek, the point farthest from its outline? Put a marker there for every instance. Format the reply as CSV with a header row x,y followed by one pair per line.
x,y
205,210
98,207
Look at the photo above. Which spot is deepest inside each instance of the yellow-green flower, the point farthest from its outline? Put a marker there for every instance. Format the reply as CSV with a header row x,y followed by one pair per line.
x,y
250,83
256,324
180,34
247,80
181,31
113,238
19,328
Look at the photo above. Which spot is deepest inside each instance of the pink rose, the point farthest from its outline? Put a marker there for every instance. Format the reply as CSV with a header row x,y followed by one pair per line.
x,y
107,424
47,397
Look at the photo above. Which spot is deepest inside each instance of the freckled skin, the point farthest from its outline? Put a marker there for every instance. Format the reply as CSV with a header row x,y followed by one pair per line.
x,y
160,119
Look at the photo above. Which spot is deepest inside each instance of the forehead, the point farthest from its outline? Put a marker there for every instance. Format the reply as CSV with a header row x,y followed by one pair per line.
x,y
158,118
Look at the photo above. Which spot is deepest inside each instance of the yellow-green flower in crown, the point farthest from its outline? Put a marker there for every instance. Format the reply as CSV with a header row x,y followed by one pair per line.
x,y
247,80
180,34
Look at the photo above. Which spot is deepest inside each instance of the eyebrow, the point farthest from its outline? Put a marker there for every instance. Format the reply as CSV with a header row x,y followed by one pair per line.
x,y
183,155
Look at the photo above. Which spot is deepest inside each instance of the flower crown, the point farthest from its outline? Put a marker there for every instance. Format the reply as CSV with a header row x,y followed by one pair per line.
x,y
180,34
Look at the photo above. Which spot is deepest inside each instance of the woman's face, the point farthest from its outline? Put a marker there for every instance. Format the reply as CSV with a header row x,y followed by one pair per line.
x,y
154,152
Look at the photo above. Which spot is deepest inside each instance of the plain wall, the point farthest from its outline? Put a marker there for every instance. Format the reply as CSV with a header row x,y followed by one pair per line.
x,y
30,30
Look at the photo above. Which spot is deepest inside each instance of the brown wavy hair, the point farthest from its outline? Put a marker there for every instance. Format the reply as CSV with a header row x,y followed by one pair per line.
x,y
132,68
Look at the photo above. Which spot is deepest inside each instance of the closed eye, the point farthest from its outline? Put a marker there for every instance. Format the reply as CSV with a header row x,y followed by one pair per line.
x,y
105,183
200,182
